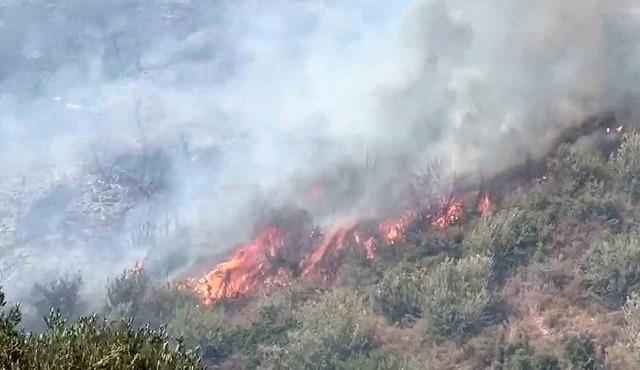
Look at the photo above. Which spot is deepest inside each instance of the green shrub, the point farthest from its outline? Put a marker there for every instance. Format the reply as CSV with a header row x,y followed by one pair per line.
x,y
399,293
160,303
205,328
626,165
379,361
269,329
571,170
11,339
632,327
61,295
521,356
581,354
456,294
509,238
333,328
89,343
594,203
126,293
611,269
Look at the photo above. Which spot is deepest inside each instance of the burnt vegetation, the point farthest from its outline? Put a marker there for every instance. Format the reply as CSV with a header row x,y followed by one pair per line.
x,y
549,278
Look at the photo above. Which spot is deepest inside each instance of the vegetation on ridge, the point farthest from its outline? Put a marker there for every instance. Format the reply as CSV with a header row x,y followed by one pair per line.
x,y
549,280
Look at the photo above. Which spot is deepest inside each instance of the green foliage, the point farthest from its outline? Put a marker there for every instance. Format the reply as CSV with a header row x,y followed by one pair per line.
x,y
399,293
89,343
584,185
611,268
333,328
632,327
455,296
269,329
580,352
11,348
626,165
127,292
521,356
378,361
571,170
61,295
509,238
594,203
205,328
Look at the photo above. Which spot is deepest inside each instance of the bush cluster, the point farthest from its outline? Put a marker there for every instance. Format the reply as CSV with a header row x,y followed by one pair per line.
x,y
611,268
89,343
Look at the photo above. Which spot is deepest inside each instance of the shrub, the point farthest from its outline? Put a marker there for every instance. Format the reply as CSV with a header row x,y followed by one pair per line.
x,y
632,327
509,238
205,328
269,329
89,343
626,166
379,361
611,268
127,292
594,203
11,340
332,329
521,356
456,295
580,352
61,295
399,293
571,170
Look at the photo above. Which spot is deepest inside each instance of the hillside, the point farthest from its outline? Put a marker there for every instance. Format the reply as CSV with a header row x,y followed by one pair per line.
x,y
544,278
304,184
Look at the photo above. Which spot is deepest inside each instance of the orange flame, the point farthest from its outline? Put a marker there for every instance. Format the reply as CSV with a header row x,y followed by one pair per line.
x,y
449,214
254,266
244,271
485,206
394,229
320,261
370,244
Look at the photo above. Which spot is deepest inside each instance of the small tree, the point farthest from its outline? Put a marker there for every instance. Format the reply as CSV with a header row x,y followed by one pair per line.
x,y
581,353
399,293
89,343
61,295
205,328
333,328
508,237
611,269
126,293
632,328
456,295
626,165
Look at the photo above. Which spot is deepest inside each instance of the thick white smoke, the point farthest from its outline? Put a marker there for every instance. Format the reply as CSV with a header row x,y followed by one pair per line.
x,y
246,96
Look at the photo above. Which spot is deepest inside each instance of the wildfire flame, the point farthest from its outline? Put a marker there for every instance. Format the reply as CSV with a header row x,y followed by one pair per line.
x,y
255,266
394,229
485,206
245,270
319,264
452,211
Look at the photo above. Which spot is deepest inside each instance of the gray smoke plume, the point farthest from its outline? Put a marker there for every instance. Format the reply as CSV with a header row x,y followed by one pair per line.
x,y
163,129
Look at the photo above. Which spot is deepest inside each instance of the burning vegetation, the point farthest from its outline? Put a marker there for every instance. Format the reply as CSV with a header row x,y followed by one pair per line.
x,y
538,270
257,266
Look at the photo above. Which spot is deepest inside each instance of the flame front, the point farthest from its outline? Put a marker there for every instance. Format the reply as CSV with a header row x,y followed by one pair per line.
x,y
245,270
394,229
321,263
485,206
255,266
452,211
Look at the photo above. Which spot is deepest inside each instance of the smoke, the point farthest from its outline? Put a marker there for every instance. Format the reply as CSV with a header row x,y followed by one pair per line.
x,y
221,109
